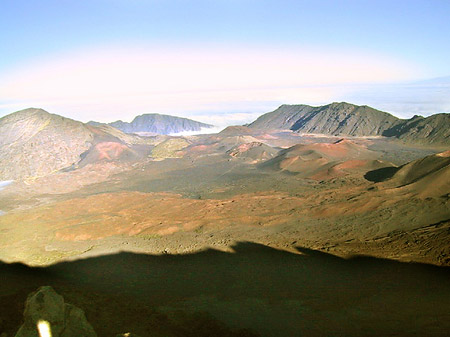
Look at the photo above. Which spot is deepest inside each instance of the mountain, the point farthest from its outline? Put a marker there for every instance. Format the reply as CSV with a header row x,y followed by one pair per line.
x,y
34,143
334,119
434,129
159,124
352,120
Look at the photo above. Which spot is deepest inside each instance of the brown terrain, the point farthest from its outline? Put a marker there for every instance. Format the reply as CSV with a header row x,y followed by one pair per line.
x,y
251,231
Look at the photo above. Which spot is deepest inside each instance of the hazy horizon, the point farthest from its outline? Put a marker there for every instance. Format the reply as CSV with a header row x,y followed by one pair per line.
x,y
225,62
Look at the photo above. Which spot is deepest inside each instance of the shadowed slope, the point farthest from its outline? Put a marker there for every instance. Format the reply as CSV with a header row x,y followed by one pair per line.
x,y
434,129
274,292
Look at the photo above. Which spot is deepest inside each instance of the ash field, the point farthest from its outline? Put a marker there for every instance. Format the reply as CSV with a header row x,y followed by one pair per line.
x,y
310,221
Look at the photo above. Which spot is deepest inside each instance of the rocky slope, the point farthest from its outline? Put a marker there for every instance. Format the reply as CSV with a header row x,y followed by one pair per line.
x,y
159,124
34,143
353,120
431,130
335,119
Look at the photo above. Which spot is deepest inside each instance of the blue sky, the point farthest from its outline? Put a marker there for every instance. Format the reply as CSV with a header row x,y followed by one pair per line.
x,y
295,52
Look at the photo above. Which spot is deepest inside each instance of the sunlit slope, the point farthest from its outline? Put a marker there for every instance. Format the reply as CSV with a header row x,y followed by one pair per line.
x,y
253,152
429,176
34,143
324,160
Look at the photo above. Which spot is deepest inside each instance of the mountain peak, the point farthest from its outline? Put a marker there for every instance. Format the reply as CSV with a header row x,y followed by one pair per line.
x,y
339,104
27,113
31,111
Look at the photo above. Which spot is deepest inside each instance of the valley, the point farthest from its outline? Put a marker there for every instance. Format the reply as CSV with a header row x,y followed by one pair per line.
x,y
324,209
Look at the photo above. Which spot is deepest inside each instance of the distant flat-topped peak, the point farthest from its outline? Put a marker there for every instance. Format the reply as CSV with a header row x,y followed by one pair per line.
x,y
153,114
291,105
158,124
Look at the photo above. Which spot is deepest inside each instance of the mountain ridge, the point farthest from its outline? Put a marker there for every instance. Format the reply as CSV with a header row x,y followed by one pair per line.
x,y
34,143
346,119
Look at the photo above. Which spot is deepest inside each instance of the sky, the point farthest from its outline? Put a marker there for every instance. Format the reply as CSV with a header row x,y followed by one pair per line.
x,y
222,61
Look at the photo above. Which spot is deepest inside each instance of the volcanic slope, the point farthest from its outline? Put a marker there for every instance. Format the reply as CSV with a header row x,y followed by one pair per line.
x,y
34,143
434,129
180,205
158,124
204,197
353,120
324,160
253,152
427,177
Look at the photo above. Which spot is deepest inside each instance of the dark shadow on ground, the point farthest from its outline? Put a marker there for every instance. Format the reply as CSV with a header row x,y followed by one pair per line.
x,y
381,174
272,292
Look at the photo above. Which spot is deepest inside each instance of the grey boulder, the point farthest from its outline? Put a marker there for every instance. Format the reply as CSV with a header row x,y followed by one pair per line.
x,y
46,310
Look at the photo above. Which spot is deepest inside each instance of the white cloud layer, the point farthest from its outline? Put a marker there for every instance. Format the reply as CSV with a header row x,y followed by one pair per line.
x,y
202,131
209,84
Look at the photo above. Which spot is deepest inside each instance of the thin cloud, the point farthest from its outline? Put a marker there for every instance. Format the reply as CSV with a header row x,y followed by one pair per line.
x,y
114,83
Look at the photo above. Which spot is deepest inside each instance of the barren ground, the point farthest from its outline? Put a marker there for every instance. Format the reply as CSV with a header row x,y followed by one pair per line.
x,y
256,246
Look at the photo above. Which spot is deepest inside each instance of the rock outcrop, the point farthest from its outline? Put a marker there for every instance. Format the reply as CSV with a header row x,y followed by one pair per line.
x,y
45,310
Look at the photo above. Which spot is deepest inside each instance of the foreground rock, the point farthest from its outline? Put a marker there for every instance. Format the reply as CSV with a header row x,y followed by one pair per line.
x,y
45,308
